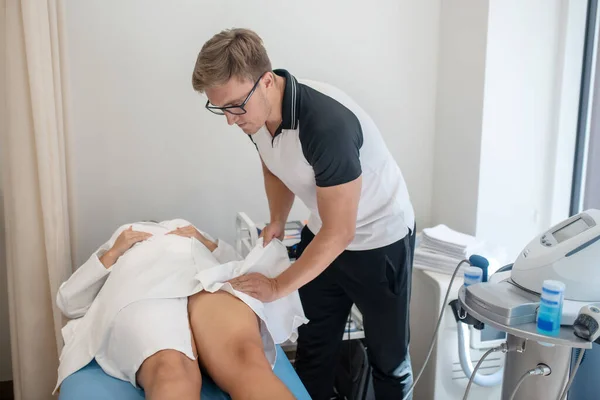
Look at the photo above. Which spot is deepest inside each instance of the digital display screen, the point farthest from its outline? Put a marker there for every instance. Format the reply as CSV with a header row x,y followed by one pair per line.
x,y
567,232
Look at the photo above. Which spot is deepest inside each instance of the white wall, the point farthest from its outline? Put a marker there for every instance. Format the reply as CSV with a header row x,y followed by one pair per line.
x,y
459,109
567,102
5,359
143,147
506,115
519,124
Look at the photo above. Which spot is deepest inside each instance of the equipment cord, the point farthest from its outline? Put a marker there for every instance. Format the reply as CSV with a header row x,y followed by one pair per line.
x,y
519,382
541,369
487,353
435,332
575,368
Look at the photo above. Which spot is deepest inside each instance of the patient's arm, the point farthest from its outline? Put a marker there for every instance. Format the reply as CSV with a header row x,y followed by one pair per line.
x,y
75,296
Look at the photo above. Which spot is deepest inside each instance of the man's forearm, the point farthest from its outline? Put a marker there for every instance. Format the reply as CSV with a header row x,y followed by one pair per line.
x,y
279,196
318,255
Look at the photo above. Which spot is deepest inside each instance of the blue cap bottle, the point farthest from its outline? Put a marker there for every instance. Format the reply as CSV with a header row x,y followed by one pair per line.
x,y
551,305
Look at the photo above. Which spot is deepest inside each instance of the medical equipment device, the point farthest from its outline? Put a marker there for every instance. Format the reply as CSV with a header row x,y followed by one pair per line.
x,y
568,252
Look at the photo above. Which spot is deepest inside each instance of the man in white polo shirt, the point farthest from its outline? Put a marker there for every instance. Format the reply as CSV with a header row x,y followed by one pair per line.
x,y
317,144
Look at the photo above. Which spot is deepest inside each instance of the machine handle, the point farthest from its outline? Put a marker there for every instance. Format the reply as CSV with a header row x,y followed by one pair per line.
x,y
464,356
480,262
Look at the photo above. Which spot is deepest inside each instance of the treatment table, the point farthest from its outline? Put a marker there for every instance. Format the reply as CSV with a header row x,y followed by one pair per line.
x,y
91,383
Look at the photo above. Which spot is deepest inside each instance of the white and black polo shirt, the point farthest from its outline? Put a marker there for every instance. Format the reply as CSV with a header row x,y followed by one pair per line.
x,y
326,139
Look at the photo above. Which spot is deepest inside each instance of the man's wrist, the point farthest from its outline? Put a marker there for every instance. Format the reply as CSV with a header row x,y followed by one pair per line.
x,y
280,287
279,222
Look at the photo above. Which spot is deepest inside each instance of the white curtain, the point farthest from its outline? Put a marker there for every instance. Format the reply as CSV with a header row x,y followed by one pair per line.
x,y
35,189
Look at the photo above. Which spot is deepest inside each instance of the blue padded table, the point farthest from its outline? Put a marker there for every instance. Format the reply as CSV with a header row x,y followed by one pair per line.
x,y
91,383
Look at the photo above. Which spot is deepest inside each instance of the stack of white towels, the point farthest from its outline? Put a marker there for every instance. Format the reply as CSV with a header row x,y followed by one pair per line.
x,y
440,249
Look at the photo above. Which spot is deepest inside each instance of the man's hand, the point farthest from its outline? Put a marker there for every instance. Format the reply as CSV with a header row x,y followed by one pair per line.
x,y
280,200
275,230
258,286
124,242
191,232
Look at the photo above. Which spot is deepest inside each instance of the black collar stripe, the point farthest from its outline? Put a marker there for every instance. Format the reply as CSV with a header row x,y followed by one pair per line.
x,y
289,107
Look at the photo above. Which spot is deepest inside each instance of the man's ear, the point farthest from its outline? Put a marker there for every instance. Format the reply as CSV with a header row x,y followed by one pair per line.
x,y
269,80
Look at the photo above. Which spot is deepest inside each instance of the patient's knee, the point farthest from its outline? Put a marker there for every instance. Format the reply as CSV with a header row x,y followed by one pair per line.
x,y
169,366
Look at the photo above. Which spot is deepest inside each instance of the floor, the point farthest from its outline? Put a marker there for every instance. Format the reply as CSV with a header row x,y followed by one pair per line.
x,y
6,390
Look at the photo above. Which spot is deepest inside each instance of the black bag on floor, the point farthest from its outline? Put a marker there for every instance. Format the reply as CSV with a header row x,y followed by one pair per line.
x,y
353,379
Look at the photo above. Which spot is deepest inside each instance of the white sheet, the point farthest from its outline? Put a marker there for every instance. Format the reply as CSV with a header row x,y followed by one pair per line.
x,y
166,266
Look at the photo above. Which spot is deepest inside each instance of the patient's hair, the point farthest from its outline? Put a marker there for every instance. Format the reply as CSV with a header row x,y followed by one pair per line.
x,y
230,53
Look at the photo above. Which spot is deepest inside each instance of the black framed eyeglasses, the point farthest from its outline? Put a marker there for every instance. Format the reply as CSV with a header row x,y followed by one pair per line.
x,y
237,109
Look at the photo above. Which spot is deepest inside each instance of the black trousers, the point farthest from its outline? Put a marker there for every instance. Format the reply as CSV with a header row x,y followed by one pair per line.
x,y
378,281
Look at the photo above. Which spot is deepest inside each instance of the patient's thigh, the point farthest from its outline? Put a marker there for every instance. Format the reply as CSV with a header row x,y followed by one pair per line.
x,y
142,329
227,333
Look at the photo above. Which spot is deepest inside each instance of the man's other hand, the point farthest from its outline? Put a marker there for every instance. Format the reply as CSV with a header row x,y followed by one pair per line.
x,y
258,286
275,230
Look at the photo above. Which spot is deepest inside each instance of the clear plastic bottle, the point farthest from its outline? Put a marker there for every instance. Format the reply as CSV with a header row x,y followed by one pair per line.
x,y
551,305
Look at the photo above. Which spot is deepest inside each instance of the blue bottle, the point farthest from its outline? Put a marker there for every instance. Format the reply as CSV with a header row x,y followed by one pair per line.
x,y
551,305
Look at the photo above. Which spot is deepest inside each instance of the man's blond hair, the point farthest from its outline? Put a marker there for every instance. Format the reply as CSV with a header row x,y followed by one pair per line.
x,y
230,53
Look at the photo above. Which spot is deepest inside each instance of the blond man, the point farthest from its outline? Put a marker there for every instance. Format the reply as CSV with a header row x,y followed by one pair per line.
x,y
317,144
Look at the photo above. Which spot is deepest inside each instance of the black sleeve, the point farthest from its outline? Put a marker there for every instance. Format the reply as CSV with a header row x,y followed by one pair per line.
x,y
332,148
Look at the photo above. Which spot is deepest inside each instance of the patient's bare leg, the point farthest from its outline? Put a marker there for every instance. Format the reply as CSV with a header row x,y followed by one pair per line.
x,y
170,374
229,346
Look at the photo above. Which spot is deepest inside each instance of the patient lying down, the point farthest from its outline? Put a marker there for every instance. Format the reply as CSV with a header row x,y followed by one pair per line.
x,y
130,310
